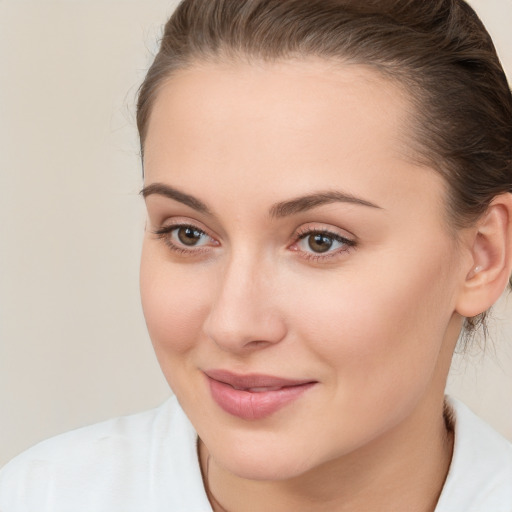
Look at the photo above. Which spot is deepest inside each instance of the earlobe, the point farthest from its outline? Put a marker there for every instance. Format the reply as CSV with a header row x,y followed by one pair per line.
x,y
491,251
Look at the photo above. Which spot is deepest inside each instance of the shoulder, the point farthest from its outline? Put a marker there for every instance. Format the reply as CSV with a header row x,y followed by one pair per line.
x,y
127,463
480,475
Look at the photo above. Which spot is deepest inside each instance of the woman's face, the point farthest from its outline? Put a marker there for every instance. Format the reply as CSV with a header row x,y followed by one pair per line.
x,y
295,252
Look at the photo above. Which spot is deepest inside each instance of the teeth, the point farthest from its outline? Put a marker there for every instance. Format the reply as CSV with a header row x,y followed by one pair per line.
x,y
258,390
261,390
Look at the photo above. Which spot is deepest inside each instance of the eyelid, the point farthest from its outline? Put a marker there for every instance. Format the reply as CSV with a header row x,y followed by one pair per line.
x,y
311,227
349,241
164,232
176,222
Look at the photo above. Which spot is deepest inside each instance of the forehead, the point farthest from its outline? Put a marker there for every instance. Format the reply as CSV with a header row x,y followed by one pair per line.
x,y
259,99
307,123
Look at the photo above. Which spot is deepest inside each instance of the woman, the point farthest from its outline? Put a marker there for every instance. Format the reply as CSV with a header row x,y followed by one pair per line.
x,y
328,187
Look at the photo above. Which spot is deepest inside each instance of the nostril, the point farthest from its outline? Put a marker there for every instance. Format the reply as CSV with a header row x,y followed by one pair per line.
x,y
259,344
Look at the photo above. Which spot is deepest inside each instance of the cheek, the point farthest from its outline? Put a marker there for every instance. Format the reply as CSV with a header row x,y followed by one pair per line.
x,y
378,340
379,324
173,301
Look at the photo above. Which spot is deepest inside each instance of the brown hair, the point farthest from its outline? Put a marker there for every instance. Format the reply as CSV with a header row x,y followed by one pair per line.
x,y
438,50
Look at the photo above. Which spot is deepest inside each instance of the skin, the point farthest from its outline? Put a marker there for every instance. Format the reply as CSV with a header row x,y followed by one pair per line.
x,y
373,322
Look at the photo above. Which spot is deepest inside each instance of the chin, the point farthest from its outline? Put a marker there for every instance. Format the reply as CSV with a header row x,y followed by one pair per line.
x,y
269,471
265,464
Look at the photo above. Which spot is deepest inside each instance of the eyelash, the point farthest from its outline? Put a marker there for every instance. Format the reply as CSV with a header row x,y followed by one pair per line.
x,y
164,233
304,233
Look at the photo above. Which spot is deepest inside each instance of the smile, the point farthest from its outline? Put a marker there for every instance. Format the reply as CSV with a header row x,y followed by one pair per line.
x,y
253,397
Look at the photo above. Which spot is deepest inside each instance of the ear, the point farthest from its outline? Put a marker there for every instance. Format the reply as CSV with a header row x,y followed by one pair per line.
x,y
491,251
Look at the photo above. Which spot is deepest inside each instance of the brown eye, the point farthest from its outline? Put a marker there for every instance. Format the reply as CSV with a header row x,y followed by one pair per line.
x,y
323,244
189,236
320,242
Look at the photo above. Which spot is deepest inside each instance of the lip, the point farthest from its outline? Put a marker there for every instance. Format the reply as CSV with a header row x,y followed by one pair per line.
x,y
254,396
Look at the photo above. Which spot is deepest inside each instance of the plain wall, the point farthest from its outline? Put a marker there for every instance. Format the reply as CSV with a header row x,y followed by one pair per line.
x,y
73,344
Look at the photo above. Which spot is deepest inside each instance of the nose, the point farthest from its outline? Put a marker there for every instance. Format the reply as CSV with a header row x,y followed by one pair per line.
x,y
244,315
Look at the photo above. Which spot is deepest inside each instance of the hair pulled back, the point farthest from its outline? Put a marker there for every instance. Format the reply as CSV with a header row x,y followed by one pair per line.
x,y
437,50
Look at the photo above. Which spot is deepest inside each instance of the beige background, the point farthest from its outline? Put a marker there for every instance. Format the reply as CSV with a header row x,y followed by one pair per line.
x,y
73,345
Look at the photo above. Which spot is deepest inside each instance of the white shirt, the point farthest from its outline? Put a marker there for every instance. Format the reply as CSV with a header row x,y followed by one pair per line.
x,y
148,463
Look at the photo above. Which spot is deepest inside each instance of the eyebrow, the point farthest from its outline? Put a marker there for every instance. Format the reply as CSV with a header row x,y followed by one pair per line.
x,y
305,203
171,193
278,210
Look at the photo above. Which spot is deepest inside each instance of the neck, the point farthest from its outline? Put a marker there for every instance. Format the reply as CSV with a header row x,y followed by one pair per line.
x,y
403,471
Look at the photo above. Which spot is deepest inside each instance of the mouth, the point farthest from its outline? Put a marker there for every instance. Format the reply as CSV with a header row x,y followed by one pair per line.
x,y
254,396
260,389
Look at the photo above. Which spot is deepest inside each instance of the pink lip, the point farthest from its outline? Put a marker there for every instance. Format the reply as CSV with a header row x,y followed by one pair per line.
x,y
253,396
